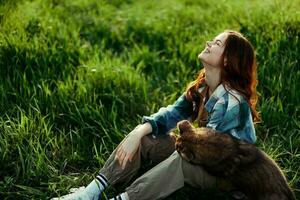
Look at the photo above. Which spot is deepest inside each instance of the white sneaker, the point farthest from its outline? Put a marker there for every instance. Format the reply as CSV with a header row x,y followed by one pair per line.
x,y
238,195
76,194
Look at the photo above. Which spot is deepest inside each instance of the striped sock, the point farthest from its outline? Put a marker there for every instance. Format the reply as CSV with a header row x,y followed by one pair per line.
x,y
120,197
102,180
95,188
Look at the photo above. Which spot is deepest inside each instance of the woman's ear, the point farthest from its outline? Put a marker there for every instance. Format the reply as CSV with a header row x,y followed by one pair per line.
x,y
225,61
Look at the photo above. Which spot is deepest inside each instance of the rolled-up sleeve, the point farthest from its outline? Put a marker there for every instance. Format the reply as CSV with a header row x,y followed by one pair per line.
x,y
167,117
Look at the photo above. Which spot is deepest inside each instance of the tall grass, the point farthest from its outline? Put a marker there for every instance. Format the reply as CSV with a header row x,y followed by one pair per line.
x,y
76,76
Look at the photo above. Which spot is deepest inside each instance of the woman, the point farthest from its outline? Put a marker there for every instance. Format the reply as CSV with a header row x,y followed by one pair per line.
x,y
223,97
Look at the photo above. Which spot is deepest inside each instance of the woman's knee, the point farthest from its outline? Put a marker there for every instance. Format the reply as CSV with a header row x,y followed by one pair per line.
x,y
147,146
157,149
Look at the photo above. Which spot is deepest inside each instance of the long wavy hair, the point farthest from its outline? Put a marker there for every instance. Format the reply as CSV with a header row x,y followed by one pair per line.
x,y
239,73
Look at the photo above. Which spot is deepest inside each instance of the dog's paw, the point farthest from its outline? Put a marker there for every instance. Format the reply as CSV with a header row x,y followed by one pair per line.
x,y
179,144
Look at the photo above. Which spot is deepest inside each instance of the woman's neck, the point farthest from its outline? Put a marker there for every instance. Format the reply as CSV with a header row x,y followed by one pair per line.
x,y
212,77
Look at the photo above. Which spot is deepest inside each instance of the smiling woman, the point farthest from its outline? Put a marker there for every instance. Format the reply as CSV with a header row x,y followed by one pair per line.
x,y
212,54
229,59
223,98
76,75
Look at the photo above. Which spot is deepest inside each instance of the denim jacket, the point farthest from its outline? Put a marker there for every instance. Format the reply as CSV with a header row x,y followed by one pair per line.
x,y
228,112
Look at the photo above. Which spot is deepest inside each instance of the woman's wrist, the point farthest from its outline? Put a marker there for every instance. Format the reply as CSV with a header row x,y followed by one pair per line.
x,y
142,129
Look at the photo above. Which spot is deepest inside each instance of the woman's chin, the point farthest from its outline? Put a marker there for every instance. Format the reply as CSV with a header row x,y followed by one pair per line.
x,y
203,59
201,56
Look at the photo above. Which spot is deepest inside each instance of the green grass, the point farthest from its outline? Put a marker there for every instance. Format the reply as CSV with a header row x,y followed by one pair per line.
x,y
76,76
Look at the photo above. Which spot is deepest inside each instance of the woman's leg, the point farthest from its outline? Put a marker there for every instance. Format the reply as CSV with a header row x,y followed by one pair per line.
x,y
154,149
167,177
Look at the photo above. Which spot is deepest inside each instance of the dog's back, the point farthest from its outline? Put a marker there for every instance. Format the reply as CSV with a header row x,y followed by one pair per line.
x,y
260,177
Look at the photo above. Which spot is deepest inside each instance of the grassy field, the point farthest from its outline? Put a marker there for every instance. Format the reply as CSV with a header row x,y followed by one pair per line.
x,y
77,75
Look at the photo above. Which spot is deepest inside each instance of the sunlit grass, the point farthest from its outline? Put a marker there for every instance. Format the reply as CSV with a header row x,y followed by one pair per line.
x,y
76,76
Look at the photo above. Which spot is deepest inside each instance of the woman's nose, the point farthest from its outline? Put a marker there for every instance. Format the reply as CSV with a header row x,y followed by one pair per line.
x,y
208,43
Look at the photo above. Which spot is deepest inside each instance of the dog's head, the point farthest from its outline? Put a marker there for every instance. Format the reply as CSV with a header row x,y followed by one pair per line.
x,y
218,152
203,145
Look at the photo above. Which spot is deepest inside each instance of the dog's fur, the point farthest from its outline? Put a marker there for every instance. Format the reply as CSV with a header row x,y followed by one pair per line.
x,y
249,169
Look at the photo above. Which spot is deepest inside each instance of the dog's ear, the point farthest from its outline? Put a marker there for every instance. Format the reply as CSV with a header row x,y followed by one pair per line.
x,y
184,126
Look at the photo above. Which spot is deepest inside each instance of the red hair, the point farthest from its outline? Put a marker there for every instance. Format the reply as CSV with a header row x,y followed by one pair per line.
x,y
239,72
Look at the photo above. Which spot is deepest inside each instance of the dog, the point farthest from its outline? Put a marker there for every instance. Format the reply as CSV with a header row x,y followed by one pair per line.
x,y
245,166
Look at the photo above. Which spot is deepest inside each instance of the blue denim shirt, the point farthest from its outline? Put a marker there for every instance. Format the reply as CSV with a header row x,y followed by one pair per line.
x,y
228,112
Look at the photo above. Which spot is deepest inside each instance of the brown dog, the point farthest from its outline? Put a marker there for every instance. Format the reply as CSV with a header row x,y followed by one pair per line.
x,y
249,169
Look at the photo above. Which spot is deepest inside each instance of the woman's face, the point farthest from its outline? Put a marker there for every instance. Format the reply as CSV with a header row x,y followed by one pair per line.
x,y
212,54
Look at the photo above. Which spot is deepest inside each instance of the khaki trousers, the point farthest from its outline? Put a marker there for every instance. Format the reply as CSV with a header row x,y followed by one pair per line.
x,y
169,174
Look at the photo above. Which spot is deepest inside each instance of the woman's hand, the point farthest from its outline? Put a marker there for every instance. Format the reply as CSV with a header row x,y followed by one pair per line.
x,y
130,145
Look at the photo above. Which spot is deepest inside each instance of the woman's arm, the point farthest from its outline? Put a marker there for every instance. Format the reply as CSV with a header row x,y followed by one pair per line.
x,y
157,124
167,117
142,130
130,145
